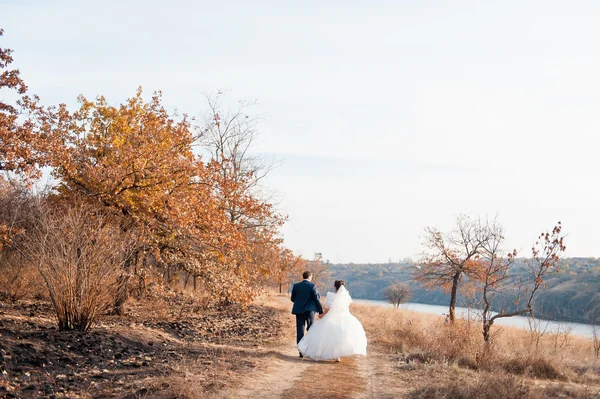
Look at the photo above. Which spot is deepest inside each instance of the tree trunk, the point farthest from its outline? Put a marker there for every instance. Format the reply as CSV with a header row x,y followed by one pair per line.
x,y
453,293
486,331
123,281
169,274
281,287
140,275
121,297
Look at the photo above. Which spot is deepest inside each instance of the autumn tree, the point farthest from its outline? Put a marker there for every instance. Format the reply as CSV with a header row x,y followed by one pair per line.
x,y
137,160
288,267
321,273
496,274
397,294
201,216
16,153
20,138
450,260
206,216
19,165
228,138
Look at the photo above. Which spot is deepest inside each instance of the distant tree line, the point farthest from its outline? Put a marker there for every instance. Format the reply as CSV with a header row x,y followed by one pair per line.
x,y
571,294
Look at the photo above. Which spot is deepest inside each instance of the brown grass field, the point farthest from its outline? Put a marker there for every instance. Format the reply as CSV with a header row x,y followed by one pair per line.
x,y
517,364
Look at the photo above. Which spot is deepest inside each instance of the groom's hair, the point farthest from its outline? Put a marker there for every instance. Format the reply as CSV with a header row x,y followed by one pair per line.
x,y
338,284
306,274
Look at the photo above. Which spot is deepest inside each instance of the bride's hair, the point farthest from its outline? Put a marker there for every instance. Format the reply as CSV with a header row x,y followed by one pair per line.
x,y
338,284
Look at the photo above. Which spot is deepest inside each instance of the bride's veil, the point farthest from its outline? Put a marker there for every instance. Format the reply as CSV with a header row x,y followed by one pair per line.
x,y
342,299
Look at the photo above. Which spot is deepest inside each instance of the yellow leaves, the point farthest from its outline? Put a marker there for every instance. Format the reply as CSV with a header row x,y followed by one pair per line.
x,y
138,161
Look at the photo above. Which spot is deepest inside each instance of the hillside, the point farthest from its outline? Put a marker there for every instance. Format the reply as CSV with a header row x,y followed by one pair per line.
x,y
570,295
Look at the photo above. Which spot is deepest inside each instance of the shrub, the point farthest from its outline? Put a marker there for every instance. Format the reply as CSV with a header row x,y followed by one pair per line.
x,y
533,366
397,294
18,279
79,254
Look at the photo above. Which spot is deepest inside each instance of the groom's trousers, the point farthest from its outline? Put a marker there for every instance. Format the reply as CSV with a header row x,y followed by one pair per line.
x,y
306,318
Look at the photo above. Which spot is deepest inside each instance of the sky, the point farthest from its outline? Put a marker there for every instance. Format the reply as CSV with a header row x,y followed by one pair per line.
x,y
385,117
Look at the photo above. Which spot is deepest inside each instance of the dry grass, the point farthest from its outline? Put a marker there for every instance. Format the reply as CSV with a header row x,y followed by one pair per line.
x,y
494,385
504,368
485,387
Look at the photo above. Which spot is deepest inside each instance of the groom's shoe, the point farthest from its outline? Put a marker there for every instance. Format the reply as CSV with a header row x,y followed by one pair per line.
x,y
300,355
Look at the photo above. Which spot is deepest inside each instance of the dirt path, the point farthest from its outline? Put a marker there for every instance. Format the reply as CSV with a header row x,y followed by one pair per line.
x,y
284,375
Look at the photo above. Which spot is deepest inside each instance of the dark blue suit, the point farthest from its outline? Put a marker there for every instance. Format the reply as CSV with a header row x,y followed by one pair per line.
x,y
306,303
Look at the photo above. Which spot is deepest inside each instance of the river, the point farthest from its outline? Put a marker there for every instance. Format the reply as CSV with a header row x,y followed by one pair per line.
x,y
584,330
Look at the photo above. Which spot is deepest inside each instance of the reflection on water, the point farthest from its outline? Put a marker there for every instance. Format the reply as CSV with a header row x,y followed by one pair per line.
x,y
585,330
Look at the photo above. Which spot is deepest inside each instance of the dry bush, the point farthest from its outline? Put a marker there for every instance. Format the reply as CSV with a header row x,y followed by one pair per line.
x,y
397,294
538,367
18,279
79,254
460,343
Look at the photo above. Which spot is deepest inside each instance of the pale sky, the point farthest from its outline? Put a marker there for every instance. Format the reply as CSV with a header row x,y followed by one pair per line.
x,y
388,116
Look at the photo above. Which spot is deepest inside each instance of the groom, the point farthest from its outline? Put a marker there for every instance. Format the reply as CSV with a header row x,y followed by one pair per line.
x,y
306,303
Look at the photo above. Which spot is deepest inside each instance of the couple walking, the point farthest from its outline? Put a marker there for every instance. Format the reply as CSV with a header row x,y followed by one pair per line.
x,y
337,333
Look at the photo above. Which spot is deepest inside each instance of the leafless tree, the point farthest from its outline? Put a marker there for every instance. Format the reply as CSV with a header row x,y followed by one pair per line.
x,y
594,319
397,294
321,274
495,272
229,136
450,258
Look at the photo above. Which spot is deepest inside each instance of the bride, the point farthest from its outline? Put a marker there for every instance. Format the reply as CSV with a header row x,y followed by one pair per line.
x,y
338,333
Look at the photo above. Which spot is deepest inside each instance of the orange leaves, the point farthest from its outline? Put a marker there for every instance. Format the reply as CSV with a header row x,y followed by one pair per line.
x,y
546,253
136,160
16,121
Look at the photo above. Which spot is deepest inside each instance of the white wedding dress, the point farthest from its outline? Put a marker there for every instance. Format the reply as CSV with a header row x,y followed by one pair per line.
x,y
338,334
